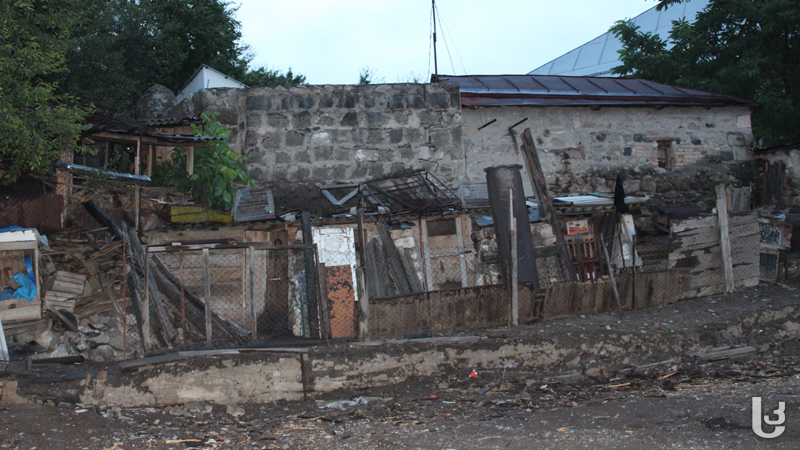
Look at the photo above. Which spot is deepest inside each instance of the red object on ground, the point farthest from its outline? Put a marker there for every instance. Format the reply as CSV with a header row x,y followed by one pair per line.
x,y
473,374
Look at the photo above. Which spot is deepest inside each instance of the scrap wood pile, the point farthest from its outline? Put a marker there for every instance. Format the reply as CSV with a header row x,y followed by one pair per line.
x,y
178,315
82,311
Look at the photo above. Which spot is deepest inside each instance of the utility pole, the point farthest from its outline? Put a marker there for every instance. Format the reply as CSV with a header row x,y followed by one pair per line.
x,y
435,64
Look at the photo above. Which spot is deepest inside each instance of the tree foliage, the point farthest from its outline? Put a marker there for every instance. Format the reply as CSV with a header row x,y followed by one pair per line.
x,y
35,122
745,48
264,76
217,169
132,44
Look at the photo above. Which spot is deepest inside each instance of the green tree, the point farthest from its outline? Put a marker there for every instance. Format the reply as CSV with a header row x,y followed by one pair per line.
x,y
217,169
132,44
745,48
35,122
264,76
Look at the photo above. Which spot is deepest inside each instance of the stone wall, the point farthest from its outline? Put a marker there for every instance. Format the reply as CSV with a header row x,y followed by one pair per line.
x,y
583,148
301,135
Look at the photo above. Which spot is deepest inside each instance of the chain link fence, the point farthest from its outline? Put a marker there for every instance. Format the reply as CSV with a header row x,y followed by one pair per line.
x,y
222,296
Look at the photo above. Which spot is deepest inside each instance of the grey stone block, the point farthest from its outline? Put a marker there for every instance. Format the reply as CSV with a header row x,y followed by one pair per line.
x,y
342,154
339,173
638,137
451,87
376,119
457,134
398,167
286,104
440,137
696,141
254,121
350,119
347,100
321,173
429,118
323,153
455,100
376,169
271,139
295,138
367,100
375,137
627,151
282,158
302,120
276,120
396,136
396,102
406,152
325,120
302,174
401,117
303,101
326,101
439,100
258,103
360,172
413,135
302,156
416,102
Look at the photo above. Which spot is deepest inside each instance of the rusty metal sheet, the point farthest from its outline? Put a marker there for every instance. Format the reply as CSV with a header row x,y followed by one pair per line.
x,y
342,299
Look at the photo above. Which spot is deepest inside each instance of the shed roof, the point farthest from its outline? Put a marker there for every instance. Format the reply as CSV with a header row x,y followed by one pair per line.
x,y
552,90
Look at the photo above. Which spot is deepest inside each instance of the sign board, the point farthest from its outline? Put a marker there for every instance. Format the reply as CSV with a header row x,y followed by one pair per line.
x,y
577,227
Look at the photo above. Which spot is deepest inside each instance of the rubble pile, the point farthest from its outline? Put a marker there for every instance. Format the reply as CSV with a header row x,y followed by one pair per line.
x,y
83,303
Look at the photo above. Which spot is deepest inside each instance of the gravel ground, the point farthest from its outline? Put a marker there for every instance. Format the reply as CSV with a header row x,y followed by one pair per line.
x,y
681,403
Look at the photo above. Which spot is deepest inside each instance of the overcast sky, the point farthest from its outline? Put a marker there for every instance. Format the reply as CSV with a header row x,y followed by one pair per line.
x,y
330,41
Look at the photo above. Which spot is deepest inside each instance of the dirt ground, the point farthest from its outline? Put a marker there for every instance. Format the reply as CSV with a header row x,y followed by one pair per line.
x,y
677,402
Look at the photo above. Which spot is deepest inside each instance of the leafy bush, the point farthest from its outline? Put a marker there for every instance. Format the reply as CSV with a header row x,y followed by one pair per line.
x,y
217,169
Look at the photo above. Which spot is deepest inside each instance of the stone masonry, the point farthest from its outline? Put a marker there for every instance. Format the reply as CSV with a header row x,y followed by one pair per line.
x,y
301,135
583,148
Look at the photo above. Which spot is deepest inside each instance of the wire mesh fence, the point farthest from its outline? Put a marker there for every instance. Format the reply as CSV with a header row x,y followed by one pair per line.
x,y
220,296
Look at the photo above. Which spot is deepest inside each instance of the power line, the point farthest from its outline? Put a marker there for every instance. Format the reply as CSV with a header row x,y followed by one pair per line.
x,y
449,55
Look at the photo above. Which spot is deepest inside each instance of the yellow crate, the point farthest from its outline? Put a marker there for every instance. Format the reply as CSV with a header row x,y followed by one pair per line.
x,y
197,214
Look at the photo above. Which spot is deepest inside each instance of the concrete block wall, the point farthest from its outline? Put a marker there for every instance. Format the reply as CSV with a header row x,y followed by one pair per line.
x,y
583,148
301,135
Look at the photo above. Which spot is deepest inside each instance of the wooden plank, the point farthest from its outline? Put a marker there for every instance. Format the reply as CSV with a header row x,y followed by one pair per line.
x,y
540,184
461,261
22,313
251,266
513,270
426,255
397,271
207,296
724,237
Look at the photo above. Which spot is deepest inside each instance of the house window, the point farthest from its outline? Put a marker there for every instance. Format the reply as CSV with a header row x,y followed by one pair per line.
x,y
664,153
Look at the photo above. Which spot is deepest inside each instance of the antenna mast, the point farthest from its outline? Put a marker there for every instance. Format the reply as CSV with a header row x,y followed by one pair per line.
x,y
435,64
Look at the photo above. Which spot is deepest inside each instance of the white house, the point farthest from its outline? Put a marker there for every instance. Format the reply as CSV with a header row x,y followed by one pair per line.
x,y
207,78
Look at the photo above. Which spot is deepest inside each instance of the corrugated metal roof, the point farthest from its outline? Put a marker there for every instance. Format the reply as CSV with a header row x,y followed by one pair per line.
x,y
599,56
552,90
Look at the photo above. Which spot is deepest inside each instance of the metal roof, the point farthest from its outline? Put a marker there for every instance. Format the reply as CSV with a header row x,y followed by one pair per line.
x,y
599,56
552,90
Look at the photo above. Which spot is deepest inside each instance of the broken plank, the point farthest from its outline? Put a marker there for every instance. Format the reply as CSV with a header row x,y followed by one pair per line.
x,y
720,354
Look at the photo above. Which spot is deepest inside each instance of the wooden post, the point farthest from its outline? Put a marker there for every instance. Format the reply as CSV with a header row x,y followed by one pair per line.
x,y
190,160
183,299
540,184
207,296
150,154
363,298
251,256
724,238
461,260
611,274
513,271
324,301
136,171
427,255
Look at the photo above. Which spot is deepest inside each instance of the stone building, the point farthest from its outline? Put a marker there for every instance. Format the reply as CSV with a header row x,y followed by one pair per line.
x,y
672,142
